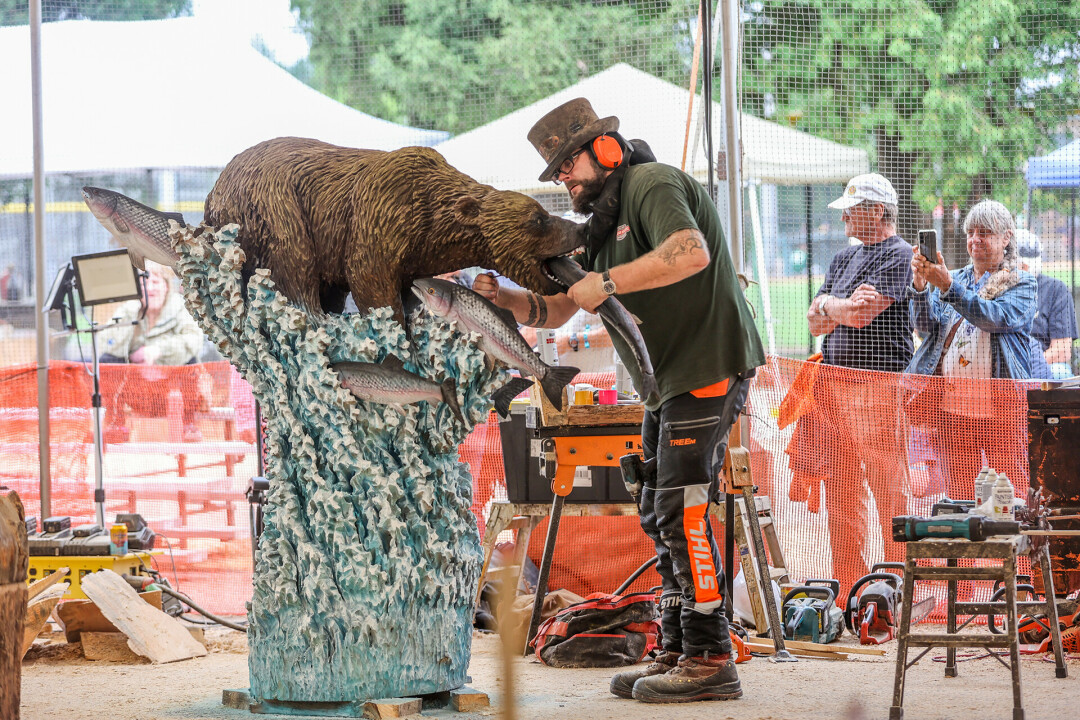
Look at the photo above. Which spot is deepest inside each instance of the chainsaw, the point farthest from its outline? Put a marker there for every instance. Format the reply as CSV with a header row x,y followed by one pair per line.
x,y
810,613
1033,630
872,614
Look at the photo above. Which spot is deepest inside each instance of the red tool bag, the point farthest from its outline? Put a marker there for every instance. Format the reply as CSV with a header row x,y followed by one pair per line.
x,y
603,630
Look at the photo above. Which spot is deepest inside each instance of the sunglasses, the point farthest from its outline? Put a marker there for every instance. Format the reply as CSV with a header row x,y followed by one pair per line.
x,y
567,166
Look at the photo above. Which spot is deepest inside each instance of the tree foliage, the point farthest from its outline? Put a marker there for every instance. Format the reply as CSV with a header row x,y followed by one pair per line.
x,y
17,12
951,96
457,64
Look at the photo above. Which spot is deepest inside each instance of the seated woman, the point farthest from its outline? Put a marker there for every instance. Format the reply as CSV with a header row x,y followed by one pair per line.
x,y
975,324
167,335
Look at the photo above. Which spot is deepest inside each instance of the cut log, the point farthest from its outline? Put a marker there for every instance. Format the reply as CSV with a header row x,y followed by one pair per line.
x,y
151,633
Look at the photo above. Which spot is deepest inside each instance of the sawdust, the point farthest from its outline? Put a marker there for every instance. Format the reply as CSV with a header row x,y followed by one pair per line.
x,y
58,682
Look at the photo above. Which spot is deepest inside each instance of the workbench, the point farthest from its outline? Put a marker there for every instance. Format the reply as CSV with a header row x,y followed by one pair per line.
x,y
599,435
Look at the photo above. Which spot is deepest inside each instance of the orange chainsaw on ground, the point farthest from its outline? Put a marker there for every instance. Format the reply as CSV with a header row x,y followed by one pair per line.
x,y
1033,629
872,613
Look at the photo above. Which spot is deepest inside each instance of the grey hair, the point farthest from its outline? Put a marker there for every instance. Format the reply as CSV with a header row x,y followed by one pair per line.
x,y
992,215
996,218
891,213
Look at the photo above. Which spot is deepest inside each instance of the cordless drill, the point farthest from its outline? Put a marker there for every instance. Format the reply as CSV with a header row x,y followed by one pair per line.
x,y
968,527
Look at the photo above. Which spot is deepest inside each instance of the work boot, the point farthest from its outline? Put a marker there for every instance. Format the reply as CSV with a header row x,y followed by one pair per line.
x,y
623,683
710,677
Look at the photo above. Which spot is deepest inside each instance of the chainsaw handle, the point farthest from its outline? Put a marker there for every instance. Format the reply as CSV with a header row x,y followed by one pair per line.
x,y
883,566
826,593
833,585
998,592
852,603
1021,580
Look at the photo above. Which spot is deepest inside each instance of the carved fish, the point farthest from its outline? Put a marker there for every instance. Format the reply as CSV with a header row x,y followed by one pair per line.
x,y
389,383
567,272
499,338
143,230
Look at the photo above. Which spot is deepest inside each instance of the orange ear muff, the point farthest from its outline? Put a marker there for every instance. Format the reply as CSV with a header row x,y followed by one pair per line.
x,y
607,151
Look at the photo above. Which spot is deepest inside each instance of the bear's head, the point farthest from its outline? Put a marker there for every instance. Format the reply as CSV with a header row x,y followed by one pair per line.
x,y
519,235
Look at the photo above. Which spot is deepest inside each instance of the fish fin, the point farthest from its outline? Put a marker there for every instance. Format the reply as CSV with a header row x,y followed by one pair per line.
x,y
556,378
174,216
137,260
506,394
393,362
449,396
635,318
506,314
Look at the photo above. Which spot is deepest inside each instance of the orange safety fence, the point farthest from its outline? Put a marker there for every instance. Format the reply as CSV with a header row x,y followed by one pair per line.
x,y
845,452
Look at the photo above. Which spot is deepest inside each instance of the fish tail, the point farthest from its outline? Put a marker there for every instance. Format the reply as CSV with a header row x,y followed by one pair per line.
x,y
449,396
506,394
649,387
555,379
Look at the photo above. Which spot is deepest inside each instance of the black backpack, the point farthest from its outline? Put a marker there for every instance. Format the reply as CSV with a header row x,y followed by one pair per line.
x,y
603,630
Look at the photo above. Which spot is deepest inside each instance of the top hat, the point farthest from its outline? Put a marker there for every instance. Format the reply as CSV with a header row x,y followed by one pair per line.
x,y
566,128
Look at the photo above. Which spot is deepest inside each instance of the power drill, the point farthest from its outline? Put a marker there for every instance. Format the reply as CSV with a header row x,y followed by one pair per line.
x,y
969,527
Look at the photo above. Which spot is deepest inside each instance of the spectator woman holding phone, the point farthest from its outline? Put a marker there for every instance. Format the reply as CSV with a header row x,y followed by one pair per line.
x,y
974,323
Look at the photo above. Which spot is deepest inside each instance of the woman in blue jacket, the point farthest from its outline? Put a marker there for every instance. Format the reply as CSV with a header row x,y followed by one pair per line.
x,y
974,323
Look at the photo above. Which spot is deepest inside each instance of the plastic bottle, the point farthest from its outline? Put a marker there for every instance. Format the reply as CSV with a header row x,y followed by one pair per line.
x,y
988,485
1003,498
548,348
980,486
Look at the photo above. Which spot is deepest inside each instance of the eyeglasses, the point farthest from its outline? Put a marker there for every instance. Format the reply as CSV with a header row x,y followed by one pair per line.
x,y
567,166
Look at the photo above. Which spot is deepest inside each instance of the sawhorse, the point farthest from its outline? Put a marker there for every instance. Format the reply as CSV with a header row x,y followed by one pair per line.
x,y
1004,549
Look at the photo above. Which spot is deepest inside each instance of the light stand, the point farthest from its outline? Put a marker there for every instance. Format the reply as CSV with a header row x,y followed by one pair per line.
x,y
100,278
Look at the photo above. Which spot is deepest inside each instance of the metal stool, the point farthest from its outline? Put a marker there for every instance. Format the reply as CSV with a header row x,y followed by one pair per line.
x,y
1004,549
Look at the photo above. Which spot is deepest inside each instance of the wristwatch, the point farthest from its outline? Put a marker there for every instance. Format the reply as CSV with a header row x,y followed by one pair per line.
x,y
609,285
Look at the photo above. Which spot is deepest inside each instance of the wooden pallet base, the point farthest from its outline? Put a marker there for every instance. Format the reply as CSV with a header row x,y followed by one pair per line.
x,y
463,699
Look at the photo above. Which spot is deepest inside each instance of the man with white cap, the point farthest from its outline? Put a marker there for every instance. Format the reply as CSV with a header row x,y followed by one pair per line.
x,y
1054,327
859,310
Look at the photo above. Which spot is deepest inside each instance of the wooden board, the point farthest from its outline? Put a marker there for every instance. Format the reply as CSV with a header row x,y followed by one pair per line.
x,y
109,646
39,586
151,632
793,645
77,616
38,611
584,415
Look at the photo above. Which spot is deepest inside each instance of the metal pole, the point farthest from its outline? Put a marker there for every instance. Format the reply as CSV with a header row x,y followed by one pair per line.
x,y
99,479
729,24
41,320
809,262
1072,246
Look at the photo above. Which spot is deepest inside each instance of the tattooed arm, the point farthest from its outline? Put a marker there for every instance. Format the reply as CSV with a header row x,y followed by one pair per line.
x,y
529,308
682,254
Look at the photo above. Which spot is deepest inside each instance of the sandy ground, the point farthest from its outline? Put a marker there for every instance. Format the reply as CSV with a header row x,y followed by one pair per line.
x,y
59,683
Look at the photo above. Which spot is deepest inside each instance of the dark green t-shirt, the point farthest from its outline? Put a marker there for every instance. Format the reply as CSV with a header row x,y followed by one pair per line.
x,y
699,330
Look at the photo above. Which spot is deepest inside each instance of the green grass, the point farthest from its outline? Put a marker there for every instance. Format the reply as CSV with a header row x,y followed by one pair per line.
x,y
789,300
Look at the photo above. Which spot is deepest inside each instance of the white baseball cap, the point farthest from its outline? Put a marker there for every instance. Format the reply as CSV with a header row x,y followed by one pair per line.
x,y
872,187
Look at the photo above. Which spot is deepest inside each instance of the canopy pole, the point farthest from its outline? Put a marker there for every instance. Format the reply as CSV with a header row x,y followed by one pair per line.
x,y
729,25
41,318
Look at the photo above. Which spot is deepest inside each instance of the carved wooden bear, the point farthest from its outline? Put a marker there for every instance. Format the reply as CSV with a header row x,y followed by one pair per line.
x,y
327,220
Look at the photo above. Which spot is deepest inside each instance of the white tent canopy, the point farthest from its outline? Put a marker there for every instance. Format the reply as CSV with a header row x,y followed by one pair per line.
x,y
163,94
499,153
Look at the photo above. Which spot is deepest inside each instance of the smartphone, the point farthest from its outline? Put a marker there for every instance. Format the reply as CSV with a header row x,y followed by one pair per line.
x,y
928,244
